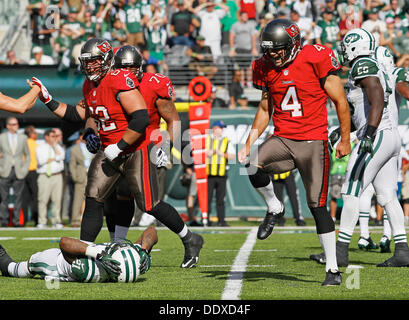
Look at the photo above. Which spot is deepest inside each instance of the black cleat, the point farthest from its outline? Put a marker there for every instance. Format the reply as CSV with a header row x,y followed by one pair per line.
x,y
385,244
265,229
5,260
192,250
320,258
399,259
300,222
342,254
332,278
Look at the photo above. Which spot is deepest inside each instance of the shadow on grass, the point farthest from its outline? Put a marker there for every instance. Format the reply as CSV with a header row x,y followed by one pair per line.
x,y
255,276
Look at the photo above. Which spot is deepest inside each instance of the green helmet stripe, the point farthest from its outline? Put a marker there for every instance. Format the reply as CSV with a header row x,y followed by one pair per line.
x,y
133,265
371,40
126,266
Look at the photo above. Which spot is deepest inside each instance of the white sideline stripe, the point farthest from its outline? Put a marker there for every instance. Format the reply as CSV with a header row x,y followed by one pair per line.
x,y
234,282
42,238
261,250
353,266
249,266
7,238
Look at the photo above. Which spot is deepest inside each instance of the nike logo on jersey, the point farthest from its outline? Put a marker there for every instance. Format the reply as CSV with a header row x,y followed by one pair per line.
x,y
309,141
126,74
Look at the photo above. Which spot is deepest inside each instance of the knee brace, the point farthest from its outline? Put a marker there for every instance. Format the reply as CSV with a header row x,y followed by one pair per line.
x,y
260,178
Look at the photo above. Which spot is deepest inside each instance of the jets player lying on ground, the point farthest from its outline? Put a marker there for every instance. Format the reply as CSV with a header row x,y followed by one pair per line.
x,y
22,104
399,80
114,100
374,159
78,261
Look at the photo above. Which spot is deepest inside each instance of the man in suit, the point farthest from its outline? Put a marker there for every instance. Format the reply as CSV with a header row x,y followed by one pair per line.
x,y
79,163
14,164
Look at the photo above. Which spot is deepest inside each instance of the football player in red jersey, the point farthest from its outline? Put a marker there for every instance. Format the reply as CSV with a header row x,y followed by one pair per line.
x,y
107,94
295,83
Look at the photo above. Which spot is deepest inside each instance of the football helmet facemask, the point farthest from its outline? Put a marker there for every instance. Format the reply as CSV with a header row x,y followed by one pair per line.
x,y
96,58
280,42
356,43
130,58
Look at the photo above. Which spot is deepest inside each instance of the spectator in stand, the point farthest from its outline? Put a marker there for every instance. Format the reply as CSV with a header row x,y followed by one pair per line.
x,y
304,8
50,159
283,10
39,58
235,88
75,31
249,6
388,37
229,19
243,102
327,30
31,188
351,16
12,59
210,27
62,45
118,34
182,24
134,23
401,43
306,26
156,37
43,27
374,25
201,58
14,164
91,28
216,101
329,5
243,44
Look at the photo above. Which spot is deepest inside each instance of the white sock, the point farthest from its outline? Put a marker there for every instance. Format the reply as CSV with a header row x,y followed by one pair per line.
x,y
387,231
328,243
349,218
396,220
184,231
18,270
273,204
364,224
121,233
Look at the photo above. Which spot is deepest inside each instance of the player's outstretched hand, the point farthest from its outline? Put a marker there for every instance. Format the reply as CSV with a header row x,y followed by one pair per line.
x,y
44,96
110,265
92,141
145,262
343,149
242,155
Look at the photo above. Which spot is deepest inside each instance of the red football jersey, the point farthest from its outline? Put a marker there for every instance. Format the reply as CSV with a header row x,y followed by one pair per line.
x,y
153,87
300,111
248,6
106,109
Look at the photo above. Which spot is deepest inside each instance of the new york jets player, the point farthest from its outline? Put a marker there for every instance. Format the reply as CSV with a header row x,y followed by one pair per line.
x,y
75,260
374,159
398,79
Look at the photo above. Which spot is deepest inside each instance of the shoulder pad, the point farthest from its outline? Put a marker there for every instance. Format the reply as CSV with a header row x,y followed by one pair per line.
x,y
364,67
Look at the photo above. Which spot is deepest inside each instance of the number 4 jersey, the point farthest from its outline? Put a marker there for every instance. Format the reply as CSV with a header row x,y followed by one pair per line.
x,y
299,101
104,106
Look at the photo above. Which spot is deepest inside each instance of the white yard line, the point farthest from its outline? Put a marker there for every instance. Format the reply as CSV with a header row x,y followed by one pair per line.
x,y
234,282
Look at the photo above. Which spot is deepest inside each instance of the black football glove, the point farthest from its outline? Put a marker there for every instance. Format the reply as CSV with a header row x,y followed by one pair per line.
x,y
333,138
145,262
110,265
92,141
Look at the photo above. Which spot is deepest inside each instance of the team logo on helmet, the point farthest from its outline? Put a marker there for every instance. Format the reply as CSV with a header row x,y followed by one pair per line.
x,y
351,38
104,47
292,30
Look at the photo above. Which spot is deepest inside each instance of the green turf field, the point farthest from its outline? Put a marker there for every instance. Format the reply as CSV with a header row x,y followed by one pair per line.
x,y
277,268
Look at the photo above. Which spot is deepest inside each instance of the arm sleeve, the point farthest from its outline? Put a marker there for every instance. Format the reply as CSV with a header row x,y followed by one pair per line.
x,y
403,76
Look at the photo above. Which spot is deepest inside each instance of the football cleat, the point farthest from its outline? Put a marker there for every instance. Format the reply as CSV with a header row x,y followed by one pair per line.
x,y
192,250
5,260
332,278
320,258
342,254
367,244
267,226
399,259
384,244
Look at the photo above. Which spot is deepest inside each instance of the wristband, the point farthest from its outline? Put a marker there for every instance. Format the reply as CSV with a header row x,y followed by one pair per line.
x,y
370,131
52,105
93,251
122,145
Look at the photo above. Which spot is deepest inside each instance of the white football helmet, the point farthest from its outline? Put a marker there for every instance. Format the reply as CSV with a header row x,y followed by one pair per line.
x,y
357,42
129,260
384,56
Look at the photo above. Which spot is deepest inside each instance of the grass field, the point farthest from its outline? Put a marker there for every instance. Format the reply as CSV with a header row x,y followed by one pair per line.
x,y
232,265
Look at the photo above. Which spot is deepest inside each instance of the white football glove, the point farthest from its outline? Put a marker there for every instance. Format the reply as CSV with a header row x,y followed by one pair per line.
x,y
45,96
161,158
112,151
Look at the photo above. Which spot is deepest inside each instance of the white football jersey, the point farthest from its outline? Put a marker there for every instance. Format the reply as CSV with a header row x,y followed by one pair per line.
x,y
358,100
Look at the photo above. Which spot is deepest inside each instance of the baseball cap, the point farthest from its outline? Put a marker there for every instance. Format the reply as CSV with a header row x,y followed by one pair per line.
x,y
37,49
243,97
328,11
219,123
200,37
74,10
